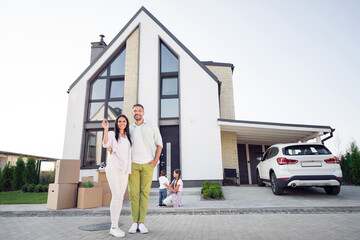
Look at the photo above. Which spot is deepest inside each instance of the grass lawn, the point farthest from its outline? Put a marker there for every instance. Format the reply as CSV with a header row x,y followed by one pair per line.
x,y
17,197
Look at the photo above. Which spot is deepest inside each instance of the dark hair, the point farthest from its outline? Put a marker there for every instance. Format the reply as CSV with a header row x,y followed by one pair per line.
x,y
138,105
162,173
126,130
178,171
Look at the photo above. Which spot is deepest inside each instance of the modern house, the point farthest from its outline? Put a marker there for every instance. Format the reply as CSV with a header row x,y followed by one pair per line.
x,y
191,101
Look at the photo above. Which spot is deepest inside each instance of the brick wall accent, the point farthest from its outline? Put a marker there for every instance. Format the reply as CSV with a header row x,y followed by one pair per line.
x,y
131,74
224,74
229,151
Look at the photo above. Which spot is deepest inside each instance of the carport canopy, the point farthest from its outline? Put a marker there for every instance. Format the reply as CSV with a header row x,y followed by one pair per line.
x,y
269,133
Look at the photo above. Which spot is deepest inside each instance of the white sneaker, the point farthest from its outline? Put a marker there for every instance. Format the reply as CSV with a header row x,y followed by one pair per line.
x,y
133,228
117,232
142,228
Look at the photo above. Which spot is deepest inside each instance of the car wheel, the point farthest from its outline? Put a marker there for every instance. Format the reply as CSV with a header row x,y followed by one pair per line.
x,y
277,190
259,182
333,190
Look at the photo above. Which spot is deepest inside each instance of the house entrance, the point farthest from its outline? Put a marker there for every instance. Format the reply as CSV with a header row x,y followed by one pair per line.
x,y
170,157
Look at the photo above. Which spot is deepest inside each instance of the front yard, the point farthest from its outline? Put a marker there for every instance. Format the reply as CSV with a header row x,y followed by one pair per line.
x,y
17,197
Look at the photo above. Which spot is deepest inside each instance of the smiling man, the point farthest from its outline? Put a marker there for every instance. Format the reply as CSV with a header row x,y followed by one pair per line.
x,y
146,149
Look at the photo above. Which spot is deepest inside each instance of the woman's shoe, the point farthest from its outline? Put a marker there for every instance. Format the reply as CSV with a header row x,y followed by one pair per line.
x,y
133,228
117,232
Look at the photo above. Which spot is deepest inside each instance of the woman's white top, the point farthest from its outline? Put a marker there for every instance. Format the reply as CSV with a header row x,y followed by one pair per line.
x,y
121,152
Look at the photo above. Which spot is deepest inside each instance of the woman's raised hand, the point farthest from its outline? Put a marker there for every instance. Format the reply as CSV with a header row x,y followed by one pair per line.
x,y
105,124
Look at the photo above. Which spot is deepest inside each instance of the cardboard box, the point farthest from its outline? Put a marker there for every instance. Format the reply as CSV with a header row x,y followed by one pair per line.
x,y
86,179
67,171
106,199
105,186
102,177
61,196
89,197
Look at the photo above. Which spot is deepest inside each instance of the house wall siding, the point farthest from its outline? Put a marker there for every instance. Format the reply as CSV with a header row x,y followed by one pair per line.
x,y
229,150
224,74
131,74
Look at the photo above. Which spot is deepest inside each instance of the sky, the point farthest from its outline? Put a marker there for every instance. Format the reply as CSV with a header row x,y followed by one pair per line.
x,y
295,61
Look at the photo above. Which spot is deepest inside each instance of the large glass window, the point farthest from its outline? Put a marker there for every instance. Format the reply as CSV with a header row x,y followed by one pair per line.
x,y
106,100
169,94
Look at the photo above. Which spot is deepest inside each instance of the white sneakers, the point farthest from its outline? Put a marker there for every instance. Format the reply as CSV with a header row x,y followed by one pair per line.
x,y
117,232
133,228
136,226
142,228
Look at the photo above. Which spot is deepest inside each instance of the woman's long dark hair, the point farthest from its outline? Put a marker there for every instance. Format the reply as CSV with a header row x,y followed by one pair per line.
x,y
126,130
178,171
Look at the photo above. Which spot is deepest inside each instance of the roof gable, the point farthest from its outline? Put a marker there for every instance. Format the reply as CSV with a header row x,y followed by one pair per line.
x,y
143,9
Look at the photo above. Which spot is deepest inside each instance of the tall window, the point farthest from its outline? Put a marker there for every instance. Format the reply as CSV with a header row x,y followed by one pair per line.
x,y
106,100
169,84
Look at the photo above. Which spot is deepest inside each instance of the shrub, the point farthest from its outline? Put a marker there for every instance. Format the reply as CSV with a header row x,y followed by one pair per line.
x,y
45,188
18,179
31,187
211,190
47,177
30,171
87,185
24,188
6,178
38,188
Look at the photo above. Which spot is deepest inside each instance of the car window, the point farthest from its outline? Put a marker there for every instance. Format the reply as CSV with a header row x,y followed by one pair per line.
x,y
266,156
274,152
306,150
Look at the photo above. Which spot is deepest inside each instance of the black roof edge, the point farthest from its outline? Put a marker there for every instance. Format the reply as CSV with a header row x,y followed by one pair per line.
x,y
277,124
165,30
221,64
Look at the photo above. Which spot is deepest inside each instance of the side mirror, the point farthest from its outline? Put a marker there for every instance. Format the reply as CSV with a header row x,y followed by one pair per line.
x,y
259,159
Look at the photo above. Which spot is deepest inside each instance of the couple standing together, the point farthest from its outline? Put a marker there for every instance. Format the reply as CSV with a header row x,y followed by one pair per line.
x,y
135,151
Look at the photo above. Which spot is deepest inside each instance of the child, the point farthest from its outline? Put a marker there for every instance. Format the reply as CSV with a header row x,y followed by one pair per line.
x,y
162,189
176,186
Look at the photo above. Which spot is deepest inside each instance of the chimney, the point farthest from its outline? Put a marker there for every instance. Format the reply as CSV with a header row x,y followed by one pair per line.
x,y
97,48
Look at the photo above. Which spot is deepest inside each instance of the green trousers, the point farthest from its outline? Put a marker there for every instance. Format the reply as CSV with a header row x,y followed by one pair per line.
x,y
140,181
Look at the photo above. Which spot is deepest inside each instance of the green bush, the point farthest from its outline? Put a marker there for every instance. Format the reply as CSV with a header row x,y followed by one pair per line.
x,y
211,190
45,188
18,179
31,187
47,177
30,171
6,178
24,188
38,188
350,165
87,185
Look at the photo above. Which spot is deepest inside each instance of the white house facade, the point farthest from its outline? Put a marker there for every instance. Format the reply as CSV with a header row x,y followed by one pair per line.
x,y
190,101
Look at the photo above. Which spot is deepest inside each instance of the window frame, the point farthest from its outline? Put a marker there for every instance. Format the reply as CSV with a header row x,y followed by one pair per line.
x,y
96,125
164,75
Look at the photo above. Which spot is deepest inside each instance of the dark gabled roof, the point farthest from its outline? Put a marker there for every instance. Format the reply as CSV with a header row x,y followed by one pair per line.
x,y
211,63
143,9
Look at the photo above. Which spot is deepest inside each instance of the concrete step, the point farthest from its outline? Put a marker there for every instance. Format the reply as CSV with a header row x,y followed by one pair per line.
x,y
186,191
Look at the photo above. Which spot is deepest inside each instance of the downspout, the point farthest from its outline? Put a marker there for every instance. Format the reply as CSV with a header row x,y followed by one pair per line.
x,y
327,138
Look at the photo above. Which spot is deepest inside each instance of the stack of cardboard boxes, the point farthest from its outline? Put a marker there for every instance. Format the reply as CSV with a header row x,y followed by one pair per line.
x,y
63,193
67,192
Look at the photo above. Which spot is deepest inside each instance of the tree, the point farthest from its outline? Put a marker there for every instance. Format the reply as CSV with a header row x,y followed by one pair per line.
x,y
6,177
19,174
355,163
30,171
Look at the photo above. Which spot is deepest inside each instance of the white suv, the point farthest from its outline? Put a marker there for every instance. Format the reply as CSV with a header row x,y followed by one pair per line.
x,y
297,165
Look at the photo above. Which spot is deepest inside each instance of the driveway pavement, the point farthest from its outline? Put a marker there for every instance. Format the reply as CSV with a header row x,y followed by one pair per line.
x,y
248,212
